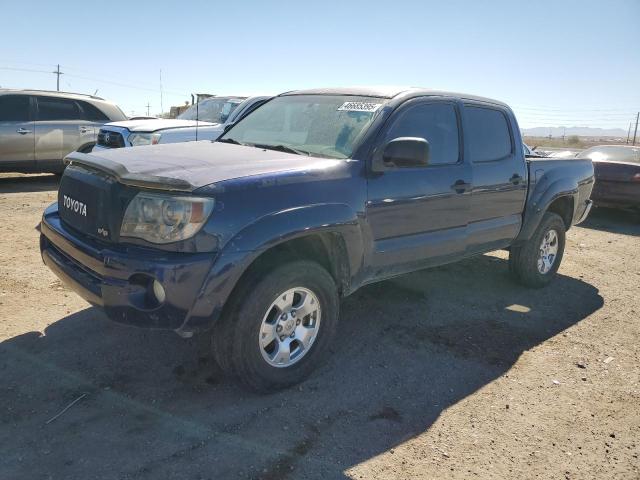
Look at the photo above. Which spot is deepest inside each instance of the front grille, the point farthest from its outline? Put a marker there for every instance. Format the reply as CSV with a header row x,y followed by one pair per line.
x,y
88,202
109,139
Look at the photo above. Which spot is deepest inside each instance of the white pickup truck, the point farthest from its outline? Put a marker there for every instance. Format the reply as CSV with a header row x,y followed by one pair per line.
x,y
204,121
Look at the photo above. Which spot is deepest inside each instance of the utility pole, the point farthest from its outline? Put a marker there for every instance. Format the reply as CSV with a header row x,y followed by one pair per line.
x,y
57,72
148,108
636,130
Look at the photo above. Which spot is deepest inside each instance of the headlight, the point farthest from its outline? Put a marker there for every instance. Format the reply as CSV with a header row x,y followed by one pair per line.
x,y
163,218
137,139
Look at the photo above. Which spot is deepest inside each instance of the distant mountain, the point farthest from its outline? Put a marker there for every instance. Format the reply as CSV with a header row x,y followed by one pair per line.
x,y
579,131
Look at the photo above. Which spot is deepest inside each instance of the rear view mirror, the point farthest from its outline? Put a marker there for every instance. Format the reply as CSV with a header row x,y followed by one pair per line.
x,y
407,152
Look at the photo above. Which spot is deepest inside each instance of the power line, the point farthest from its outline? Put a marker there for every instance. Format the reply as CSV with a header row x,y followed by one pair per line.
x,y
99,80
24,70
604,111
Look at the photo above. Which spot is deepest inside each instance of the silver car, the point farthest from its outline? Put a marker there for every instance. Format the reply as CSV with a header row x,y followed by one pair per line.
x,y
39,128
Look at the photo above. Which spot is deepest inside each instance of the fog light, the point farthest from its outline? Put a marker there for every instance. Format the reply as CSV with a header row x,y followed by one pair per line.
x,y
158,291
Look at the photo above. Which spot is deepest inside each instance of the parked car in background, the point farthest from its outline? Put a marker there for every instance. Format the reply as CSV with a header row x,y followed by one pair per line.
x,y
255,238
617,172
205,120
563,153
39,128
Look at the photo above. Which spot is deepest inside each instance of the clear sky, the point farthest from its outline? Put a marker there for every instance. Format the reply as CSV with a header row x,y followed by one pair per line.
x,y
561,62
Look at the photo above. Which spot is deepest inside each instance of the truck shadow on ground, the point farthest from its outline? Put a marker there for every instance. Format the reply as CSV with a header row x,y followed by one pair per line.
x,y
406,350
28,183
613,221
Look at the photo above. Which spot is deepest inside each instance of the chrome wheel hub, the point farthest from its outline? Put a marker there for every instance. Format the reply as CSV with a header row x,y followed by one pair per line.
x,y
548,251
289,327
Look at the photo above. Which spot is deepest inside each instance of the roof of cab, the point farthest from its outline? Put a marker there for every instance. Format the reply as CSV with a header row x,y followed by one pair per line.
x,y
391,92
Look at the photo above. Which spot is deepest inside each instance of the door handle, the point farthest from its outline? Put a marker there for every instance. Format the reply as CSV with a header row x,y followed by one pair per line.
x,y
515,179
23,131
460,186
84,129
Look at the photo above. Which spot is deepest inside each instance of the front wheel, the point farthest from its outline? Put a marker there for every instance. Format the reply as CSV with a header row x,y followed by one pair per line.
x,y
279,326
536,262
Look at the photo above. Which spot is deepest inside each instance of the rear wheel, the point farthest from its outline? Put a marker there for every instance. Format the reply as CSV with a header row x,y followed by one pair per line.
x,y
535,263
279,326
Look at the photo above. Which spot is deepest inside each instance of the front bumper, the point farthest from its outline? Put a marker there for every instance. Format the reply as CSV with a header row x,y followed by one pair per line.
x,y
118,278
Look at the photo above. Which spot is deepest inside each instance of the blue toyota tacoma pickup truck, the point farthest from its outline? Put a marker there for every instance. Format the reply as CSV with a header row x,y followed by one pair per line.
x,y
253,239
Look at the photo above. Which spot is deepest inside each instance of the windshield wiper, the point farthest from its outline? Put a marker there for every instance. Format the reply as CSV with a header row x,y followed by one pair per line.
x,y
281,148
229,140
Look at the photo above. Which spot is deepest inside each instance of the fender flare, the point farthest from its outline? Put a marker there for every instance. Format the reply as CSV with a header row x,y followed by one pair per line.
x,y
543,196
275,228
239,253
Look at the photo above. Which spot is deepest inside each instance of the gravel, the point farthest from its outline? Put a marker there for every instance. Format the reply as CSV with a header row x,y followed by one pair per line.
x,y
454,372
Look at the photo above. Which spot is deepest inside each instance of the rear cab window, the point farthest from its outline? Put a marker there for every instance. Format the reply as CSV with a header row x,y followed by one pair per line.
x,y
487,134
14,108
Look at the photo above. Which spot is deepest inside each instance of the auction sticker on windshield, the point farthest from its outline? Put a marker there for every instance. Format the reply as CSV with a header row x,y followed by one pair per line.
x,y
359,107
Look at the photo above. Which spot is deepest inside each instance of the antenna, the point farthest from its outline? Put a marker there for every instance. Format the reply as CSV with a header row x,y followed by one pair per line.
x,y
161,105
197,118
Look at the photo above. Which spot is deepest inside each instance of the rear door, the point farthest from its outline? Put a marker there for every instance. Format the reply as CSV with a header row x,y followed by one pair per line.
x,y
17,131
499,176
418,215
59,128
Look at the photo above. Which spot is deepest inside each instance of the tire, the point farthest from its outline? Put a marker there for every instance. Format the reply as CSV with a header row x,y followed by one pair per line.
x,y
524,260
253,317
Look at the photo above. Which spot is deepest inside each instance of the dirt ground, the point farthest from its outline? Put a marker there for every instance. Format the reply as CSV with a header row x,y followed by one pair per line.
x,y
454,372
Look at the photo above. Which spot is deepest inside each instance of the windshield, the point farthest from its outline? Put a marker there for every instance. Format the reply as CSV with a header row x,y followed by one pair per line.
x,y
318,125
214,110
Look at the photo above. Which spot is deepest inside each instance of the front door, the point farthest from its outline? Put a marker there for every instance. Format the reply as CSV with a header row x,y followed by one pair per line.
x,y
17,131
418,215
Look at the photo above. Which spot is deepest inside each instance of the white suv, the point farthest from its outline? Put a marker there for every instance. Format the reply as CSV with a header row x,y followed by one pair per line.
x,y
205,120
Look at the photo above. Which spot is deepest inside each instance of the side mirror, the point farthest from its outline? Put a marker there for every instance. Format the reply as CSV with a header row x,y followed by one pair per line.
x,y
407,152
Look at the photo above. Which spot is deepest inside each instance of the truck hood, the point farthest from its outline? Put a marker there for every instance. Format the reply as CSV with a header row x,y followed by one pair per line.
x,y
188,166
155,125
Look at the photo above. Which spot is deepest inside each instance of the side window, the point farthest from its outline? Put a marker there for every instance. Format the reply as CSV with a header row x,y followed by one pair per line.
x,y
487,134
14,108
52,108
90,112
435,122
